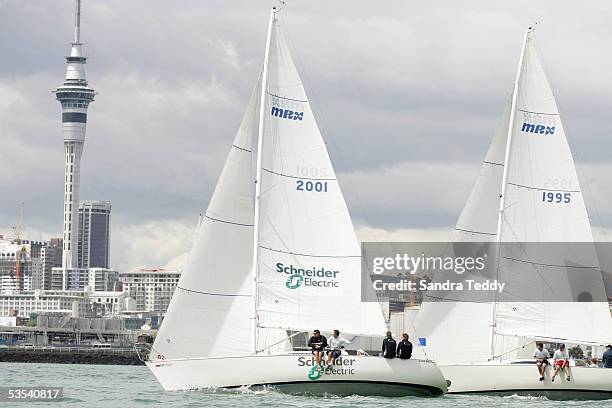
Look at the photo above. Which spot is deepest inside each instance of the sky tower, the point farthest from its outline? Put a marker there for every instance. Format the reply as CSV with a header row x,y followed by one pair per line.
x,y
74,95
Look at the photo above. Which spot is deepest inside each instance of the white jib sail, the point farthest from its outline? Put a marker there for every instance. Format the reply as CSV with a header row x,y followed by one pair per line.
x,y
539,162
210,311
309,273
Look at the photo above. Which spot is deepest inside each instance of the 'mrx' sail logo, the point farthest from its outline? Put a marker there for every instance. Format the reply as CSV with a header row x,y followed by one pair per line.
x,y
294,281
540,129
287,113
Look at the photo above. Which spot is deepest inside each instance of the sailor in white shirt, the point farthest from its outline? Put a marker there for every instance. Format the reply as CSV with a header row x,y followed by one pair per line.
x,y
336,344
541,355
561,357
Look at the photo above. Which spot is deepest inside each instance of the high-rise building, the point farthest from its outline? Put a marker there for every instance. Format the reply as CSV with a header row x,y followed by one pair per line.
x,y
75,96
94,234
51,256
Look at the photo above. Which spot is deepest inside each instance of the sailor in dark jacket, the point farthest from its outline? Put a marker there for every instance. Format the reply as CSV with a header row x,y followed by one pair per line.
x,y
388,346
404,348
317,344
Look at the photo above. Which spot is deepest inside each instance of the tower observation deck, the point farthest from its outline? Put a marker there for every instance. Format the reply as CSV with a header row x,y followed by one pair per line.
x,y
75,95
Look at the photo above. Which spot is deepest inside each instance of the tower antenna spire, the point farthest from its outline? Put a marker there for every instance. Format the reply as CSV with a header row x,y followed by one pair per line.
x,y
77,21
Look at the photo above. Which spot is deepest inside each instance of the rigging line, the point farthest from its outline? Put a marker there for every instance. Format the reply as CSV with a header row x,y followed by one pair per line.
x,y
309,255
510,351
241,148
493,164
212,294
227,222
280,341
284,97
538,113
552,265
297,177
475,232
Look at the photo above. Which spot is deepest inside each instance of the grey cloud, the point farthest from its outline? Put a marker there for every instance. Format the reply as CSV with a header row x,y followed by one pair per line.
x,y
407,94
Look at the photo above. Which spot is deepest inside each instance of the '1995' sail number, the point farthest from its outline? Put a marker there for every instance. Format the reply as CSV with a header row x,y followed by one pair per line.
x,y
317,186
552,197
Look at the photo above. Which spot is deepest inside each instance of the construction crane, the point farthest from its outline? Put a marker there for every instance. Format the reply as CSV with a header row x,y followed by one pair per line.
x,y
21,252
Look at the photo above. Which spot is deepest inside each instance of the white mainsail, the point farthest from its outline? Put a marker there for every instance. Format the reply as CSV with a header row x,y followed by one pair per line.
x,y
309,257
539,162
210,310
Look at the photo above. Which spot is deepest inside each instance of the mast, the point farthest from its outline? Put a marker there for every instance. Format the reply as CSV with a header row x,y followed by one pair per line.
x,y
262,101
502,197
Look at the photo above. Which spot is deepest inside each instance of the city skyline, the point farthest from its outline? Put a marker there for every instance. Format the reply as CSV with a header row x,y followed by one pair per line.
x,y
162,129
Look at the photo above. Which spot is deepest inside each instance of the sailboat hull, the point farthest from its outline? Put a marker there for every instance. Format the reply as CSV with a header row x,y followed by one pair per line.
x,y
523,379
294,374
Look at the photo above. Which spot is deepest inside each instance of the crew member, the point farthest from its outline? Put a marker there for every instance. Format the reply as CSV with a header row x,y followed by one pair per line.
x,y
541,355
389,346
607,357
336,344
404,348
317,344
561,357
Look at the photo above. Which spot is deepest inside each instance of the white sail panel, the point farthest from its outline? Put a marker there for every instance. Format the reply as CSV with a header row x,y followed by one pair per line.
x,y
309,257
478,220
544,203
210,311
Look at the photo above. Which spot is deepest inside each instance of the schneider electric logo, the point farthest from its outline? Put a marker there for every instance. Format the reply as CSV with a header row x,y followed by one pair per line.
x,y
294,281
343,366
299,277
540,129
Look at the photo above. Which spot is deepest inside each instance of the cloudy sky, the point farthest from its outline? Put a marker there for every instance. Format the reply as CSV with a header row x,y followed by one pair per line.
x,y
407,94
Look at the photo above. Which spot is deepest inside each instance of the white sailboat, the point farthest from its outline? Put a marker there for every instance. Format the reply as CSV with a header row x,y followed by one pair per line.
x,y
274,257
476,345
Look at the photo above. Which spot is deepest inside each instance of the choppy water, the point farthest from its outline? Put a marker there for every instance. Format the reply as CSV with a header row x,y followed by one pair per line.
x,y
134,386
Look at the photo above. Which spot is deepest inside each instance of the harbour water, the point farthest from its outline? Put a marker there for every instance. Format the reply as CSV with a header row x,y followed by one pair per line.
x,y
107,386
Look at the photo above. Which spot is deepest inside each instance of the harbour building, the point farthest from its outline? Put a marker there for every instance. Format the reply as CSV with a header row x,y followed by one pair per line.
x,y
151,288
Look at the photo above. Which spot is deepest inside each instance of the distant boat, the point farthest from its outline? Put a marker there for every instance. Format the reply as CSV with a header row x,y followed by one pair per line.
x,y
527,192
274,259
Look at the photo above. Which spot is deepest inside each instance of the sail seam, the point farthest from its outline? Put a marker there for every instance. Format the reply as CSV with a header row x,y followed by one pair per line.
x,y
538,113
243,149
297,177
475,232
553,265
227,222
283,97
212,294
310,255
542,189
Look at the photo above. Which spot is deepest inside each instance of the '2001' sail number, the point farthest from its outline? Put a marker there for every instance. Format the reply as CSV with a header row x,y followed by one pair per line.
x,y
552,197
307,185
